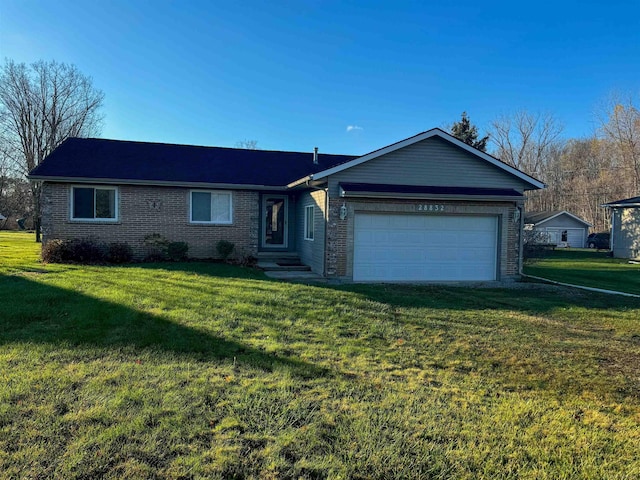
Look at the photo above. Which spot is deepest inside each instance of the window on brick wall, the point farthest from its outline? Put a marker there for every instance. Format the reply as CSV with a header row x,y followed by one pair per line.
x,y
94,203
211,207
308,222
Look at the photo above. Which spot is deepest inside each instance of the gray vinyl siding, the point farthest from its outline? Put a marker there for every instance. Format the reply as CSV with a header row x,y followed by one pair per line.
x,y
563,221
576,237
626,232
311,252
433,162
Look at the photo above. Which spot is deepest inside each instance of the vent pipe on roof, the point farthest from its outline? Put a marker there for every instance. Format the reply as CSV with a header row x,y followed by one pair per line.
x,y
315,155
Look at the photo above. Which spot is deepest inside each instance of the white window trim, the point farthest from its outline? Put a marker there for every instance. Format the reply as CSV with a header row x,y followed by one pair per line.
x,y
199,222
306,222
95,220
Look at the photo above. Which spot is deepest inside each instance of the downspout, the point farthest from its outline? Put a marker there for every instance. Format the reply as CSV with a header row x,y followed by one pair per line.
x,y
326,222
521,241
612,235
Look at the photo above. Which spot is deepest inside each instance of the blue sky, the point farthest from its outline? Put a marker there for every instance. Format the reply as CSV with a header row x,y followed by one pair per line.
x,y
294,75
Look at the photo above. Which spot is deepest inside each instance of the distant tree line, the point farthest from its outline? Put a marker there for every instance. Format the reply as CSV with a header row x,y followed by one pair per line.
x,y
580,173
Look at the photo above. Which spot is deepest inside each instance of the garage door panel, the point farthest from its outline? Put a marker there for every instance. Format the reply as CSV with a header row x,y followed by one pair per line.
x,y
402,247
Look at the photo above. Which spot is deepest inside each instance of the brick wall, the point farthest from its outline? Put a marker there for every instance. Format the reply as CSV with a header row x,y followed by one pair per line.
x,y
339,251
145,210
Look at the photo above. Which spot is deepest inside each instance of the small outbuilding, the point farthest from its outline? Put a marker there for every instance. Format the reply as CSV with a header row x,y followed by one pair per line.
x,y
560,228
625,227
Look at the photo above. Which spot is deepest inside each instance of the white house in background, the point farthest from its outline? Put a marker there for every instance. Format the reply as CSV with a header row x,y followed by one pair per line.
x,y
625,227
560,228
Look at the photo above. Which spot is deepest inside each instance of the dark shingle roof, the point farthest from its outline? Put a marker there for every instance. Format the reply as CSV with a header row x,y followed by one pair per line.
x,y
537,217
89,158
627,201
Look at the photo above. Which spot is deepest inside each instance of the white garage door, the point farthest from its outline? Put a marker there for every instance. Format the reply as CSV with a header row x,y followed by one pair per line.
x,y
393,248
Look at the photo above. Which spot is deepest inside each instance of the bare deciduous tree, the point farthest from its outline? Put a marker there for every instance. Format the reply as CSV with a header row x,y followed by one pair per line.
x,y
620,125
525,140
41,105
247,144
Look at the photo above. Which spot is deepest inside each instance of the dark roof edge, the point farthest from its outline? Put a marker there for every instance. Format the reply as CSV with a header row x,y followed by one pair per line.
x,y
621,205
551,216
155,183
625,202
354,190
433,196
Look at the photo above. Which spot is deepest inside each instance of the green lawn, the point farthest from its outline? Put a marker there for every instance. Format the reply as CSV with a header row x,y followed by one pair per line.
x,y
198,370
590,268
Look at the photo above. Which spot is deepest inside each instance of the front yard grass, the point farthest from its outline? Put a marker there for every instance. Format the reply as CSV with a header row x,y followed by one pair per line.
x,y
588,267
200,370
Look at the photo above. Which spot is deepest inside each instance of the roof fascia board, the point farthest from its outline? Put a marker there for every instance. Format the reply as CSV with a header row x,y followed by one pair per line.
x,y
423,136
154,183
432,196
620,205
560,213
299,182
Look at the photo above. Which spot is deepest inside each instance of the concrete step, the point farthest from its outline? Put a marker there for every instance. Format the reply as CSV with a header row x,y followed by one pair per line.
x,y
304,277
274,266
261,255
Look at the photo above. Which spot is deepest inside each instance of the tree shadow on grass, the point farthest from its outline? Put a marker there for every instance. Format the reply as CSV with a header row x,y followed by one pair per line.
x,y
530,298
35,312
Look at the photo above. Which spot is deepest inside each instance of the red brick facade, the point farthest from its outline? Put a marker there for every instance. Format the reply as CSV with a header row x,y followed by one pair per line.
x,y
144,210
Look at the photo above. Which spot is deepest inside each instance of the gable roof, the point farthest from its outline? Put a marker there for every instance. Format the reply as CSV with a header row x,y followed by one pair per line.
x,y
434,132
145,163
626,203
161,163
542,217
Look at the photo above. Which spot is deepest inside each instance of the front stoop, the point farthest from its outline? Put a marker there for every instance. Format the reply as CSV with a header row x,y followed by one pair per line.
x,y
286,266
281,262
296,276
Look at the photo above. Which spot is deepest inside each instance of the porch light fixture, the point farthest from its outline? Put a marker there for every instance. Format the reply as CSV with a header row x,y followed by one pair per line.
x,y
343,211
516,215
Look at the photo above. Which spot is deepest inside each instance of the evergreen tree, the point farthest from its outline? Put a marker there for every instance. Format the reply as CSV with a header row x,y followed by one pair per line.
x,y
468,133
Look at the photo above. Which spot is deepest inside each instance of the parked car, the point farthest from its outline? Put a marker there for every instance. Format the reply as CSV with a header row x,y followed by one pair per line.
x,y
599,240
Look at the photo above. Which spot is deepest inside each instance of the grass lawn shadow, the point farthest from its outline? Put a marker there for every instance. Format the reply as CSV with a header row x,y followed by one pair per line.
x,y
37,312
533,299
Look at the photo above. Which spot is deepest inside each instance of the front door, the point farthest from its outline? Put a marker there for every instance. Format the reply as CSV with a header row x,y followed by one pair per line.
x,y
274,221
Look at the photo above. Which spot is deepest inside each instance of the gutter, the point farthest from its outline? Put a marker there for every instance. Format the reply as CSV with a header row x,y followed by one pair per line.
x,y
620,205
307,181
303,180
155,183
418,196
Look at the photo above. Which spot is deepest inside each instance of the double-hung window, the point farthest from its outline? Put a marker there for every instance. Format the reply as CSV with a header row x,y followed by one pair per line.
x,y
211,207
94,203
308,222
